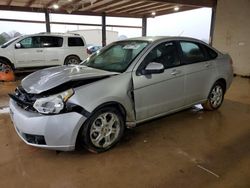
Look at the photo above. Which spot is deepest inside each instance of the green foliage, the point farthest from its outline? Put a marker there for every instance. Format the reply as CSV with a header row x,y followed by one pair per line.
x,y
2,40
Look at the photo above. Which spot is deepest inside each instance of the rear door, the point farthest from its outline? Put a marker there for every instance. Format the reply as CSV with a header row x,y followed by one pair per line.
x,y
77,46
156,94
199,71
53,49
30,54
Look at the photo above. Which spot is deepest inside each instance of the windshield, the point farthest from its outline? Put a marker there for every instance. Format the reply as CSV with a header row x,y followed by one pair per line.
x,y
9,42
117,57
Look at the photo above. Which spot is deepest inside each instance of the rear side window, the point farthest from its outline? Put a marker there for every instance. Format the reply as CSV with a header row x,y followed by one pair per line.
x,y
75,41
211,53
192,52
50,41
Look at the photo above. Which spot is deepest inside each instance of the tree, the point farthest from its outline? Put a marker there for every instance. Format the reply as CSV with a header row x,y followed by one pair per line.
x,y
2,40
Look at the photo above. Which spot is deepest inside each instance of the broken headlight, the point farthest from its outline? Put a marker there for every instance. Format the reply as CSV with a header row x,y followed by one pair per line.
x,y
53,104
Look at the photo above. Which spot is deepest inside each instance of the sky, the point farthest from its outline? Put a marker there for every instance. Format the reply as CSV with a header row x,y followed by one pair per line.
x,y
194,23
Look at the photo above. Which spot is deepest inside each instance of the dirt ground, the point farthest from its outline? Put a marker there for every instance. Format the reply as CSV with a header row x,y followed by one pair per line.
x,y
189,149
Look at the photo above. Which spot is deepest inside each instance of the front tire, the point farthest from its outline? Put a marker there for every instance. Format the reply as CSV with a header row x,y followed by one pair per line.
x,y
215,98
5,66
102,130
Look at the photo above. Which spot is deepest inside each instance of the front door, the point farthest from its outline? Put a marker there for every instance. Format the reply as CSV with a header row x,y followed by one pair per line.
x,y
157,94
30,53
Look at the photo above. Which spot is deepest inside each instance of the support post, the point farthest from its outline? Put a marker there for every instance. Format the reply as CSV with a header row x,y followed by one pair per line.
x,y
47,20
103,29
144,26
212,27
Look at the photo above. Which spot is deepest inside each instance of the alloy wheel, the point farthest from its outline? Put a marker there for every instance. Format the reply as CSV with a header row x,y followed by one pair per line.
x,y
216,96
105,130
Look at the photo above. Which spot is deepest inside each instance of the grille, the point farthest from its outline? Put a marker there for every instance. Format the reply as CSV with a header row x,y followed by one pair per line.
x,y
23,99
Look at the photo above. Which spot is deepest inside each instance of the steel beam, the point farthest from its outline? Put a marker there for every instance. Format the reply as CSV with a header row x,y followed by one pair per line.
x,y
212,26
47,21
103,29
144,26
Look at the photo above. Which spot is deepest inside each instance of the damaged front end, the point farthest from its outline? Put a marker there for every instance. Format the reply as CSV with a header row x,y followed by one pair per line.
x,y
23,99
53,104
52,101
47,91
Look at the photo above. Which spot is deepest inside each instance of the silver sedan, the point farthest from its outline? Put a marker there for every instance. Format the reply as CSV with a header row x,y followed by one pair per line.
x,y
119,86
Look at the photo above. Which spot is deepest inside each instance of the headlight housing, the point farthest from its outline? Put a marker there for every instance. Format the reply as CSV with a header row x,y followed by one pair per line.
x,y
53,104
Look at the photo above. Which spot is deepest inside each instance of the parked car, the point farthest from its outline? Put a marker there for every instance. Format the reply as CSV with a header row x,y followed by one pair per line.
x,y
126,83
93,49
42,50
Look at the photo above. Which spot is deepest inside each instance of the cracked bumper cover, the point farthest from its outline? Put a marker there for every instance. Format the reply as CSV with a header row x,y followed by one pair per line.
x,y
59,130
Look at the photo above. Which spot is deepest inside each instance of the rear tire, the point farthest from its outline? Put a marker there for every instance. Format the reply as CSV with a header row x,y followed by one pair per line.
x,y
72,60
102,130
215,97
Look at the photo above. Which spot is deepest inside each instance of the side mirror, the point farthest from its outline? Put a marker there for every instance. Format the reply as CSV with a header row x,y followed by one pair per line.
x,y
153,68
18,45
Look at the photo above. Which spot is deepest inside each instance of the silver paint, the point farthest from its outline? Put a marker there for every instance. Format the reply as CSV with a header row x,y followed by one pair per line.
x,y
143,97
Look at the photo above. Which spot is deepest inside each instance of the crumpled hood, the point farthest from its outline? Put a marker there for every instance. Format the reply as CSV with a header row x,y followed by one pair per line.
x,y
49,78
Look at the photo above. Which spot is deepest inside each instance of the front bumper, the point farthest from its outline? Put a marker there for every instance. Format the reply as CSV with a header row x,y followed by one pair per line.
x,y
57,132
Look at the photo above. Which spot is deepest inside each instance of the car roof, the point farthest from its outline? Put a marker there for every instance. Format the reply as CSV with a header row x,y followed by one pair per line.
x,y
55,34
157,38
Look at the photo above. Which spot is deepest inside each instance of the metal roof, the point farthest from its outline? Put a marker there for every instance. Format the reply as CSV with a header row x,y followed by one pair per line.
x,y
118,8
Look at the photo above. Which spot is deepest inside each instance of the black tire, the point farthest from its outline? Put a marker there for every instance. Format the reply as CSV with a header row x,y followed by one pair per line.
x,y
212,103
72,60
5,66
88,132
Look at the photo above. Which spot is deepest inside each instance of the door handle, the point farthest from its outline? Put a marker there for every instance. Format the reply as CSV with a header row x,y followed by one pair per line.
x,y
175,72
39,51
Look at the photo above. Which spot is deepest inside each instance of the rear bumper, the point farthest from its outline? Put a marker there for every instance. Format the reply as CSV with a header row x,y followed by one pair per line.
x,y
57,132
230,77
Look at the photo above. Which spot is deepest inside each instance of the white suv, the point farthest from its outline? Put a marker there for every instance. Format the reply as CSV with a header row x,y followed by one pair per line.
x,y
42,50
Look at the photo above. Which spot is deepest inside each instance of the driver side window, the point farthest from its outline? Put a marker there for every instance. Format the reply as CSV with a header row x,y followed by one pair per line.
x,y
30,42
165,53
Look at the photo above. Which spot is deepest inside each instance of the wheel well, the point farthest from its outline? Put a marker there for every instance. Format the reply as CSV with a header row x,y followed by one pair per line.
x,y
8,61
72,55
117,105
223,82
